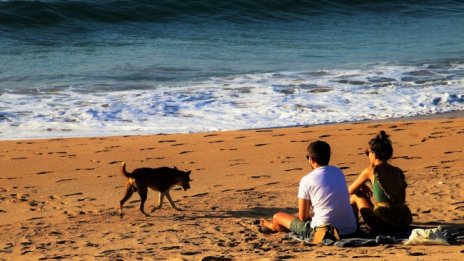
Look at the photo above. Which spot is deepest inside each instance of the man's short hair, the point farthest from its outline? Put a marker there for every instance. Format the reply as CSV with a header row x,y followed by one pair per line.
x,y
319,151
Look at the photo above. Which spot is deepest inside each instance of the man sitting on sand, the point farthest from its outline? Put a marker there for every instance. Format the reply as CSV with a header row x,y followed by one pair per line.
x,y
323,199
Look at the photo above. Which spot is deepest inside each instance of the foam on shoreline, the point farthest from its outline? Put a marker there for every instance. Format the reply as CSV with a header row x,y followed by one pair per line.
x,y
240,102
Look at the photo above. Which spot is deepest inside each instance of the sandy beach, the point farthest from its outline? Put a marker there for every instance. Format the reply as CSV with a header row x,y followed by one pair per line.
x,y
59,197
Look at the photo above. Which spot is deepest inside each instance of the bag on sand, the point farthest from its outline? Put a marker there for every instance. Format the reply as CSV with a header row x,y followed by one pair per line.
x,y
327,234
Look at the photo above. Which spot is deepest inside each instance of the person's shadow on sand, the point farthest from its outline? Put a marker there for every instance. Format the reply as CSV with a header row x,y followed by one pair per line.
x,y
258,212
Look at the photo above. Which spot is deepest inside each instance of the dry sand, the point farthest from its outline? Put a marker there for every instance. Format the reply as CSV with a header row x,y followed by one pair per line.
x,y
58,197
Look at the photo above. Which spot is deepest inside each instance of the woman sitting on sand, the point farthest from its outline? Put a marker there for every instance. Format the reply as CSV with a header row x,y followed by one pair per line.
x,y
388,188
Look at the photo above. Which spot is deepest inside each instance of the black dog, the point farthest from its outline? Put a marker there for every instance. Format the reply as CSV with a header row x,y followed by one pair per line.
x,y
159,179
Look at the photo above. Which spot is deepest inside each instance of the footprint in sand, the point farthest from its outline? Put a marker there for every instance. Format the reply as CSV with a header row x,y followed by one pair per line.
x,y
151,148
63,180
86,199
85,169
260,176
170,247
406,157
99,151
210,135
114,162
200,195
264,131
450,152
157,158
294,169
237,163
163,141
74,194
245,190
185,152
19,158
261,144
324,136
43,172
216,141
271,183
446,161
300,141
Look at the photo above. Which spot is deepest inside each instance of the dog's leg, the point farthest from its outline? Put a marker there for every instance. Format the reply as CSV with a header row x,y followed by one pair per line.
x,y
160,202
129,192
143,191
168,196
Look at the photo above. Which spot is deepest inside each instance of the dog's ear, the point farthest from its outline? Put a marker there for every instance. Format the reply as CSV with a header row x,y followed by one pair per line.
x,y
175,167
188,172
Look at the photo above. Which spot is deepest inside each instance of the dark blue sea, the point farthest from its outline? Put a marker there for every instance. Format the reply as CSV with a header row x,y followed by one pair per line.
x,y
86,68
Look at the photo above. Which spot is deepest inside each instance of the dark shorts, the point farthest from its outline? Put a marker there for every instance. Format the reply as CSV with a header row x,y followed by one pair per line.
x,y
395,215
301,228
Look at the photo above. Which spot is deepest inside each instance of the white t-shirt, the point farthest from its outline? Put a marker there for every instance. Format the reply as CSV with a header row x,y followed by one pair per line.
x,y
327,190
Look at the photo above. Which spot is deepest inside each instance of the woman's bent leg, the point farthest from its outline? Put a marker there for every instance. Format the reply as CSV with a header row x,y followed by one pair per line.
x,y
359,203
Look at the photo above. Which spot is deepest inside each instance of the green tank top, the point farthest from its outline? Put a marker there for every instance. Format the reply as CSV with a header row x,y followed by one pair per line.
x,y
378,192
389,184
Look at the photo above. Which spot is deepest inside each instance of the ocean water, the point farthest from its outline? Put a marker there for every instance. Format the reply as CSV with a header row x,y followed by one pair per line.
x,y
92,68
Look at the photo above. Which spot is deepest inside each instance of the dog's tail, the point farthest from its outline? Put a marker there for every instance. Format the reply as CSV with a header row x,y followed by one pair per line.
x,y
123,170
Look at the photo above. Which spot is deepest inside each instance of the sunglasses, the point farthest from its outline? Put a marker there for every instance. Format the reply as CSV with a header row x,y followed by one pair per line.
x,y
368,151
308,157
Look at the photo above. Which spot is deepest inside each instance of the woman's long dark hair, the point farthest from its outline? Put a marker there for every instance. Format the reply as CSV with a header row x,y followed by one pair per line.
x,y
381,145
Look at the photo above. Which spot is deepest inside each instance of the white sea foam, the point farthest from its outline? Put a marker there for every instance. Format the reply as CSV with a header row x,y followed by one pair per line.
x,y
239,102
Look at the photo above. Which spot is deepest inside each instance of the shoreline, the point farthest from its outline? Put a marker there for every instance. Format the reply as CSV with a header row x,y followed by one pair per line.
x,y
450,115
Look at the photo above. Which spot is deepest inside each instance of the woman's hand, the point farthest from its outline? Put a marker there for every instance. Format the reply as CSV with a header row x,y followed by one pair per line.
x,y
364,191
